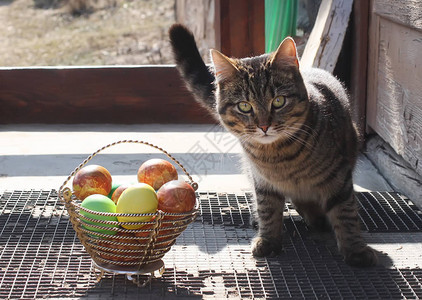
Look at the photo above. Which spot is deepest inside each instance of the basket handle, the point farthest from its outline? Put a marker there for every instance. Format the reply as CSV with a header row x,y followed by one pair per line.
x,y
81,165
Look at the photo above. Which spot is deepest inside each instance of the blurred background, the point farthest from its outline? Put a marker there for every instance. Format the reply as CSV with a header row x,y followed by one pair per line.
x,y
125,32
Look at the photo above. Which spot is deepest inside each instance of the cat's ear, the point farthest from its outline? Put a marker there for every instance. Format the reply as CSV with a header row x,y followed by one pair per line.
x,y
223,66
286,52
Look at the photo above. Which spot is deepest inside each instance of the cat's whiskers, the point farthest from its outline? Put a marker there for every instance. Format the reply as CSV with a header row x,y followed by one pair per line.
x,y
312,134
292,136
300,141
245,137
297,128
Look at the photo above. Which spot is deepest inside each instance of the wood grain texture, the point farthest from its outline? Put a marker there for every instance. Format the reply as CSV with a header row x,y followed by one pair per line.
x,y
126,95
399,174
326,39
396,97
199,17
405,12
371,102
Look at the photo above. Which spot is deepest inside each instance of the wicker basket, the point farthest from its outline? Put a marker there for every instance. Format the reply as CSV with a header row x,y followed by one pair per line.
x,y
129,251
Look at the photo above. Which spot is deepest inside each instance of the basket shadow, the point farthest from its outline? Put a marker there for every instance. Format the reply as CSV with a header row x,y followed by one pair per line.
x,y
173,284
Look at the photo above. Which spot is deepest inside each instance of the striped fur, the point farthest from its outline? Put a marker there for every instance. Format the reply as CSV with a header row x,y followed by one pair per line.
x,y
304,151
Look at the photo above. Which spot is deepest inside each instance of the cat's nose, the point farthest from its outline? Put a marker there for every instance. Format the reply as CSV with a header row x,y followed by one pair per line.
x,y
264,128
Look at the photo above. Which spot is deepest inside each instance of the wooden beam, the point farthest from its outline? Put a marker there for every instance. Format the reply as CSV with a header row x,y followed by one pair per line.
x,y
199,16
408,13
359,63
326,39
240,27
372,74
126,95
399,174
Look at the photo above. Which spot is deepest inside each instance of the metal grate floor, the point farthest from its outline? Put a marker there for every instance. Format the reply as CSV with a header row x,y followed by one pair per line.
x,y
40,256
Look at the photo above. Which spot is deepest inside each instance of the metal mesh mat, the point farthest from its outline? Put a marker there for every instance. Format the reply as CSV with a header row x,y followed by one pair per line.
x,y
40,256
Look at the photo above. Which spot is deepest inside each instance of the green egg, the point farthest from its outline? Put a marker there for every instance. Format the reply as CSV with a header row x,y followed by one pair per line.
x,y
114,186
99,203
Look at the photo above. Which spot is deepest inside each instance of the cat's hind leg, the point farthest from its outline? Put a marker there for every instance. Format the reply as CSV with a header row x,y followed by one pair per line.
x,y
313,215
342,212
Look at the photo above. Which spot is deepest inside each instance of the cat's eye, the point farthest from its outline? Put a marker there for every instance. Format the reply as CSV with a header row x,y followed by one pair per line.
x,y
244,107
279,102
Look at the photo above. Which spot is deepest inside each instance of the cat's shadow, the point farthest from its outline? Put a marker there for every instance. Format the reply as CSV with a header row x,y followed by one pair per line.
x,y
384,259
298,239
327,238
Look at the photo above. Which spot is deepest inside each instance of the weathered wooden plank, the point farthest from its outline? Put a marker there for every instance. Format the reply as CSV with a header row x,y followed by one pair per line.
x,y
372,90
131,94
406,12
398,112
326,39
399,174
199,17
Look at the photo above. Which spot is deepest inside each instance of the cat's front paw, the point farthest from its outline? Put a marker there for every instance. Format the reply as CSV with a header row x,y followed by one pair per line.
x,y
262,246
367,257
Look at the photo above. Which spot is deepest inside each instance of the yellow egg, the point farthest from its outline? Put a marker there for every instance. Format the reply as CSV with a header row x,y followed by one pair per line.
x,y
139,198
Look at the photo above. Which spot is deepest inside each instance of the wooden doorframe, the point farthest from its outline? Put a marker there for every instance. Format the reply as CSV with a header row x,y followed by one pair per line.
x,y
359,61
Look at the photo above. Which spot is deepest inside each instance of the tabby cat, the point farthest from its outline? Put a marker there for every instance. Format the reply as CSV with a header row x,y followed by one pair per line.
x,y
297,135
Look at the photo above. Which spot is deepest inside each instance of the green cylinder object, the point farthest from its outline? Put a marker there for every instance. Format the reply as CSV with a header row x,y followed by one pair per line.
x,y
280,21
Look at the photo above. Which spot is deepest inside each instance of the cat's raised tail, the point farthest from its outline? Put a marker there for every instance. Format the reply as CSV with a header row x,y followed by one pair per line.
x,y
198,77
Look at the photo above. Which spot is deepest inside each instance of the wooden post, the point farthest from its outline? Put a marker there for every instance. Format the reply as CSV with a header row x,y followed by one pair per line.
x,y
359,55
235,27
240,27
326,39
199,17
